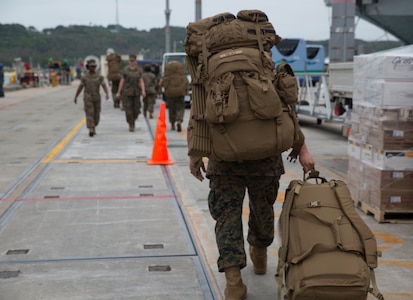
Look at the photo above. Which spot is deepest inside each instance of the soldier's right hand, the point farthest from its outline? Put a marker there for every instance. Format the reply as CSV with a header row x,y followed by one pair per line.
x,y
195,166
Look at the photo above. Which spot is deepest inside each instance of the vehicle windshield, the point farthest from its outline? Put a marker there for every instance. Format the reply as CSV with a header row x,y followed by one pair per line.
x,y
171,57
175,57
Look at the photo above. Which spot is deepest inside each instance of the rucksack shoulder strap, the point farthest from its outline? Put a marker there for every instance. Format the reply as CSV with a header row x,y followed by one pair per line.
x,y
292,190
366,235
374,290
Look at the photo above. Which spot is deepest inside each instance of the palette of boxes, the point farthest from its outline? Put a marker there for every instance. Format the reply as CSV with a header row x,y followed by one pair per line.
x,y
381,138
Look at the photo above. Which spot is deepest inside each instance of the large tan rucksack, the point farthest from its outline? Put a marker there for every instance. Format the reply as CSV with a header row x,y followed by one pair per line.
x,y
175,82
327,251
114,66
237,113
224,31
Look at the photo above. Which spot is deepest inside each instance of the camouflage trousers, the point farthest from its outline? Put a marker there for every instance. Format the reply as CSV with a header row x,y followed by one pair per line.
x,y
149,103
132,106
92,110
114,86
114,90
225,202
176,108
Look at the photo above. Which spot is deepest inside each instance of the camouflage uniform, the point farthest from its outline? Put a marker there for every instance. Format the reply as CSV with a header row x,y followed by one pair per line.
x,y
91,97
150,81
176,86
176,109
114,90
114,61
131,93
228,182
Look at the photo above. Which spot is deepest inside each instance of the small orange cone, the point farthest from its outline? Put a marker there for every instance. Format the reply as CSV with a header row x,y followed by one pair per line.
x,y
160,151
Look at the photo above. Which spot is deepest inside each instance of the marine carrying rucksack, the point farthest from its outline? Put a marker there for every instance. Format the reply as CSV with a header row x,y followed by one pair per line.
x,y
237,113
327,251
114,66
175,81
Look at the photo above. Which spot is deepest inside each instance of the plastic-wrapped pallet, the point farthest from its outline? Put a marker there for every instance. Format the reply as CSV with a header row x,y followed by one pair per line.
x,y
381,137
384,79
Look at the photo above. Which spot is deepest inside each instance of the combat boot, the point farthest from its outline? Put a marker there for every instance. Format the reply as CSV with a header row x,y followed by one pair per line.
x,y
92,131
235,289
259,259
178,126
172,126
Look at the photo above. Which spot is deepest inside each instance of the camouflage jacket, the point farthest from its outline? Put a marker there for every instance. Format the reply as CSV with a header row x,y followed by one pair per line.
x,y
91,84
150,82
132,78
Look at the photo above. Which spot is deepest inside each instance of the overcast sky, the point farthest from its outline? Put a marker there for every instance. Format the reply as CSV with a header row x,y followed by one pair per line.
x,y
308,19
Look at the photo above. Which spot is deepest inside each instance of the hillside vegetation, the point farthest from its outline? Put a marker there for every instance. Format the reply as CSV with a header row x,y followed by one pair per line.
x,y
74,43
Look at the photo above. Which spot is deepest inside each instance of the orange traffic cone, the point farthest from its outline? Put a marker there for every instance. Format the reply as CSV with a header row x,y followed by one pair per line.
x,y
160,151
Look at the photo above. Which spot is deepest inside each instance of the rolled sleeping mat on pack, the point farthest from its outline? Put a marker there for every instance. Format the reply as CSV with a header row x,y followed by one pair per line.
x,y
199,143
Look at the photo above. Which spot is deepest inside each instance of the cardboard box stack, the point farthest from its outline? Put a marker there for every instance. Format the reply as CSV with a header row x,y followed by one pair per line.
x,y
381,138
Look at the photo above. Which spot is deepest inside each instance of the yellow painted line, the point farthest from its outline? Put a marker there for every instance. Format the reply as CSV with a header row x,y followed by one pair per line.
x,y
280,197
388,238
206,239
332,158
62,144
388,241
399,263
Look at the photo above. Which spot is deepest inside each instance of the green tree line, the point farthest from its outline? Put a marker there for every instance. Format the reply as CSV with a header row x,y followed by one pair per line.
x,y
74,43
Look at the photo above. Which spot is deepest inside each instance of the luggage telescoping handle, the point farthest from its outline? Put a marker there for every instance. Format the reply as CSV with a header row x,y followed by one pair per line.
x,y
314,174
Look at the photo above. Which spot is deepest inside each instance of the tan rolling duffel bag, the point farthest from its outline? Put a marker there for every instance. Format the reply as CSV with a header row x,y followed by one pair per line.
x,y
327,250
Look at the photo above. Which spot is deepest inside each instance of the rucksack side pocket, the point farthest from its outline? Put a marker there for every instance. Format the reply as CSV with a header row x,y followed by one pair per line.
x,y
286,84
222,105
286,130
263,98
